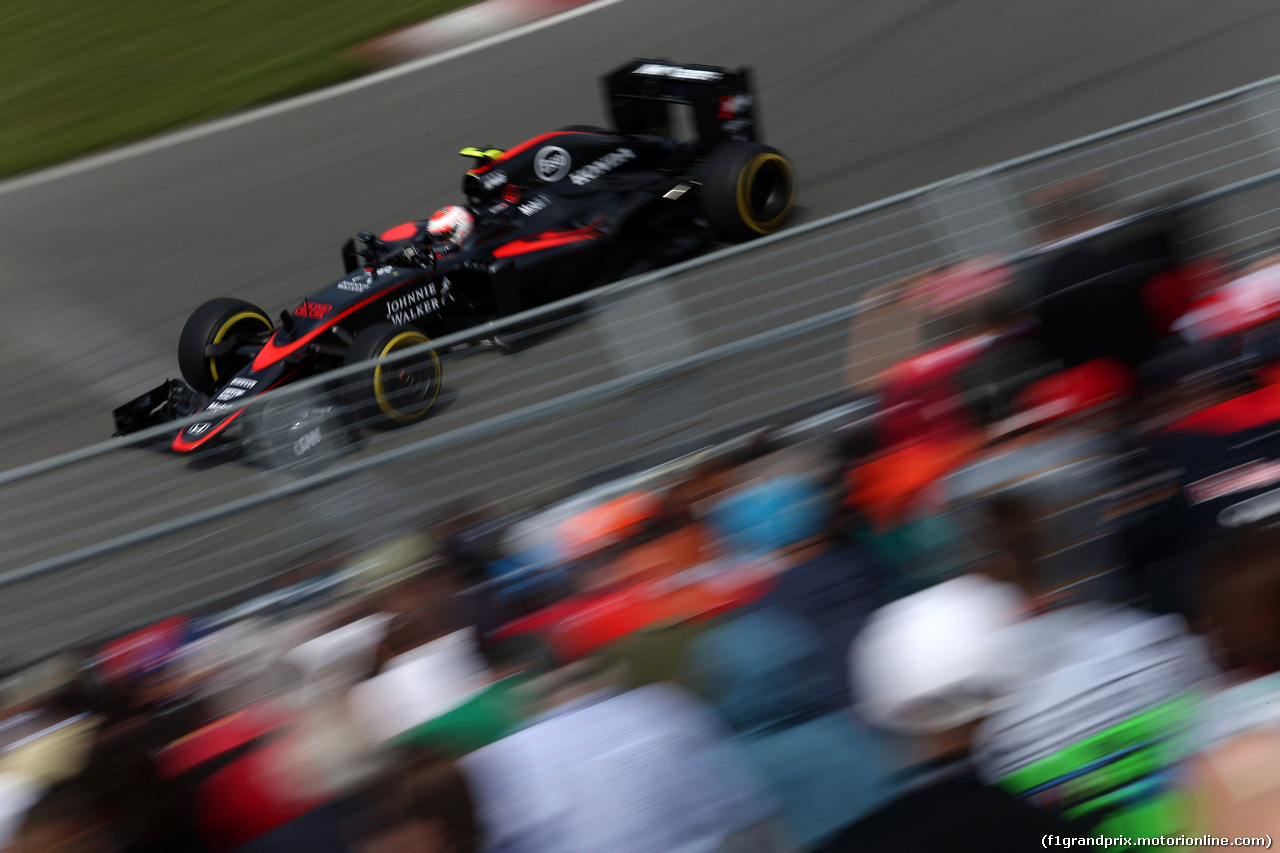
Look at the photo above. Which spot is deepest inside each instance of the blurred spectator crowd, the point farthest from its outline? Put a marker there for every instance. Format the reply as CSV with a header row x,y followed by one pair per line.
x,y
1027,587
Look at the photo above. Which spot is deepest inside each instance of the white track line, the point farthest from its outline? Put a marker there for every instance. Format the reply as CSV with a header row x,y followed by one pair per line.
x,y
128,152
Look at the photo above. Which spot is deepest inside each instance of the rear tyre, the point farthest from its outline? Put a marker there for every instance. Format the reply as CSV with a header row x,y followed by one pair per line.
x,y
392,389
208,350
748,191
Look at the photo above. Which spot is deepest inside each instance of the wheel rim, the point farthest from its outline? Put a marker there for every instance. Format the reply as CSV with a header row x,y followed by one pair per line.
x,y
765,192
235,324
405,391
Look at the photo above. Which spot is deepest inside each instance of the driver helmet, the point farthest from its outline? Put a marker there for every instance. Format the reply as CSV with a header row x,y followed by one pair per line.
x,y
450,225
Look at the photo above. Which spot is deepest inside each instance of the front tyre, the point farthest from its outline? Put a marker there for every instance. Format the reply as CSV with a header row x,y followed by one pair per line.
x,y
398,390
209,351
748,191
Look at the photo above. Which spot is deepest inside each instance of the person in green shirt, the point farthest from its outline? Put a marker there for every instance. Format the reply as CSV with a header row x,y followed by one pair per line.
x,y
492,712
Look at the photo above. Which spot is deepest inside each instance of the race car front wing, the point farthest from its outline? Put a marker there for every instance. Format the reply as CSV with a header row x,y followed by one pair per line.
x,y
171,401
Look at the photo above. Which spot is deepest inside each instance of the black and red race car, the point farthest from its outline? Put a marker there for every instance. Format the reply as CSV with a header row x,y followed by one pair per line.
x,y
554,216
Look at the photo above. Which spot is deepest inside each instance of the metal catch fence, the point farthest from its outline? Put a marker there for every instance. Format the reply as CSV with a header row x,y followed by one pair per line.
x,y
118,533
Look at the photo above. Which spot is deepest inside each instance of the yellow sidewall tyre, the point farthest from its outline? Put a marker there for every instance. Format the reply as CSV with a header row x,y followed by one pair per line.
x,y
749,190
218,321
393,389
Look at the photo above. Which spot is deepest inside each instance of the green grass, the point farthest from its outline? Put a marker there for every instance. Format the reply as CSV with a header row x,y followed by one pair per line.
x,y
80,75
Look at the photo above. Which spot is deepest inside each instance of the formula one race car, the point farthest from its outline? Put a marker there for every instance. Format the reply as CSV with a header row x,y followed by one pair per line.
x,y
551,217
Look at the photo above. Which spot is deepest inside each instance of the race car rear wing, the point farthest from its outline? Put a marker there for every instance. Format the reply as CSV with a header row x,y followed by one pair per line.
x,y
640,95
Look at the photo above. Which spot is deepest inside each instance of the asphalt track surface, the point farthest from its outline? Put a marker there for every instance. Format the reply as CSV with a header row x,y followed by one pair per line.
x,y
102,267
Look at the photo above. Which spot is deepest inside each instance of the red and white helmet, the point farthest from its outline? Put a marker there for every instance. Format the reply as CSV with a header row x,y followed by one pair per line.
x,y
451,224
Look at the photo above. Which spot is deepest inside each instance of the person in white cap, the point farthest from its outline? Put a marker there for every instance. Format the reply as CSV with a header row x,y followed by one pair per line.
x,y
932,666
1097,730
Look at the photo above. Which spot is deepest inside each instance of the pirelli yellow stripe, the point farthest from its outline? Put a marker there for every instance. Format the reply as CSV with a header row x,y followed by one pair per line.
x,y
747,179
225,329
403,340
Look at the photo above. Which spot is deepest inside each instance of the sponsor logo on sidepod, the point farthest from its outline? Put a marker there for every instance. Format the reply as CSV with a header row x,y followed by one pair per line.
x,y
534,205
417,303
605,164
551,163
